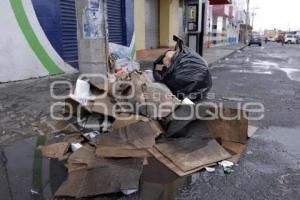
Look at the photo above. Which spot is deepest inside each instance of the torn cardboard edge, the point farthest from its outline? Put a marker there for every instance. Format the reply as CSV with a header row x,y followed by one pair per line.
x,y
168,163
112,177
191,153
56,150
115,152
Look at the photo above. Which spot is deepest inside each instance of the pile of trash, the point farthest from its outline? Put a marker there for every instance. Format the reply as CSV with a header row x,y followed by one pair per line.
x,y
107,132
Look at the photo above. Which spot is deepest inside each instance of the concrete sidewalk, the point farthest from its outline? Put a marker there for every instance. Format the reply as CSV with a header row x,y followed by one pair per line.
x,y
211,55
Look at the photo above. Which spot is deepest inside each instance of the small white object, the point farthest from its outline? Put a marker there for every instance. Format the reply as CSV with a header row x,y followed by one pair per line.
x,y
249,152
34,191
187,101
82,89
226,163
92,134
129,191
75,146
82,92
210,169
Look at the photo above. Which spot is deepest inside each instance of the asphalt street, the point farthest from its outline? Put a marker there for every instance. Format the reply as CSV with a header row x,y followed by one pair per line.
x,y
268,169
270,166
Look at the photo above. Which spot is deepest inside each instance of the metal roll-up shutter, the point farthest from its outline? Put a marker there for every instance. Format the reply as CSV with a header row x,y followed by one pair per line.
x,y
116,21
69,32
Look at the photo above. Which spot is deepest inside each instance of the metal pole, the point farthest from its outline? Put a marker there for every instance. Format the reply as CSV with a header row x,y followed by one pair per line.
x,y
247,22
253,15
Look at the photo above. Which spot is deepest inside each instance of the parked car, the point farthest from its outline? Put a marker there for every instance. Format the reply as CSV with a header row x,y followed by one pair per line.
x,y
255,39
290,39
298,39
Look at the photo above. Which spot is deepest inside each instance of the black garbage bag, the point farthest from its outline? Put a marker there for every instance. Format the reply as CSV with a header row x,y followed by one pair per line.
x,y
187,76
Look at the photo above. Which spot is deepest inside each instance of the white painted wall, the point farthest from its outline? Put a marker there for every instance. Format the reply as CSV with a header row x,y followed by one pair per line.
x,y
17,59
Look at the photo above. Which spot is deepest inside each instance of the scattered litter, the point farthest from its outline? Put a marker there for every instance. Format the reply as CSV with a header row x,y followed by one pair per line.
x,y
75,146
126,65
233,98
227,166
34,191
92,134
111,156
129,192
226,163
252,130
210,169
228,170
249,152
59,135
82,92
188,101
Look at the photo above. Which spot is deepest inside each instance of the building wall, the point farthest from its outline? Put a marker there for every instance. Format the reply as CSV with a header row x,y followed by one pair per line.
x,y
139,24
48,14
173,20
226,24
152,23
164,22
25,51
168,22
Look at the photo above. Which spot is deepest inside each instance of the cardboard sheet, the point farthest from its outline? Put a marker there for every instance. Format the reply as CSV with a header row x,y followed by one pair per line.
x,y
112,177
235,149
191,153
229,129
56,150
116,152
168,163
135,136
126,119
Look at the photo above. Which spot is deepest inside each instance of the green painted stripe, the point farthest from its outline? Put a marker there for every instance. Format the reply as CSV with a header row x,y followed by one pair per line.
x,y
32,39
37,176
133,52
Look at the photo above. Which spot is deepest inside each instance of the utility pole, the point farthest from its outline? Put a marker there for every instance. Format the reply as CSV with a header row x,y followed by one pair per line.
x,y
247,22
92,39
253,15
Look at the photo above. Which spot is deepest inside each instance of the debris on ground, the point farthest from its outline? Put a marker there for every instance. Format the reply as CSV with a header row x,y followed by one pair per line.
x,y
210,169
227,166
34,191
106,140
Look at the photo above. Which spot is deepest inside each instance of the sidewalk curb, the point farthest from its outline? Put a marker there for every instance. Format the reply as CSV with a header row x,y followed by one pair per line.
x,y
233,51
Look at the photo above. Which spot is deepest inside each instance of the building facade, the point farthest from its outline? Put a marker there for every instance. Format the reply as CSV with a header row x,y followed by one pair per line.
x,y
58,20
47,31
153,21
225,23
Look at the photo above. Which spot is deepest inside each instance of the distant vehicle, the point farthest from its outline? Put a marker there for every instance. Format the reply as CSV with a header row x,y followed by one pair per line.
x,y
280,38
271,39
255,39
290,39
298,38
